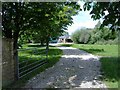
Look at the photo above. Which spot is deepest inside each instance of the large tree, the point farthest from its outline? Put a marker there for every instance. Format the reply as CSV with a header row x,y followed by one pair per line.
x,y
52,19
19,18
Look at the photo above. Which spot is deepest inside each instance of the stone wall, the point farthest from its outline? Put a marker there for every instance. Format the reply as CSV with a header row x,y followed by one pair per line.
x,y
8,64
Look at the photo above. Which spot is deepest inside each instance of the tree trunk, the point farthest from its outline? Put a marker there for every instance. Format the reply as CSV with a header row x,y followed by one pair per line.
x,y
42,43
47,45
15,37
15,46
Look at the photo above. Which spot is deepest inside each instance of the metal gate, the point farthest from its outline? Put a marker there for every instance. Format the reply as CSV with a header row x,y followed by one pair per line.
x,y
31,61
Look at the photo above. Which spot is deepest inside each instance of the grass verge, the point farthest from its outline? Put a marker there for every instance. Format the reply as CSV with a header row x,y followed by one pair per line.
x,y
109,61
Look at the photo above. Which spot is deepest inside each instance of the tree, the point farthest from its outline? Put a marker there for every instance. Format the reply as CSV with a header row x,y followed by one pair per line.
x,y
22,17
39,37
102,34
81,36
51,18
61,18
96,35
98,9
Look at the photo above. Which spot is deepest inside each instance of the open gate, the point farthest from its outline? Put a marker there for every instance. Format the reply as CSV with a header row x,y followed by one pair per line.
x,y
31,61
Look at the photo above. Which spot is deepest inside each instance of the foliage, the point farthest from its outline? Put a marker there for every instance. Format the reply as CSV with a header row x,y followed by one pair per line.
x,y
98,10
50,18
97,35
103,35
81,36
47,19
75,36
39,37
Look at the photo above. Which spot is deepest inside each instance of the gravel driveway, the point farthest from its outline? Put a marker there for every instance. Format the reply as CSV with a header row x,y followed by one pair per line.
x,y
76,69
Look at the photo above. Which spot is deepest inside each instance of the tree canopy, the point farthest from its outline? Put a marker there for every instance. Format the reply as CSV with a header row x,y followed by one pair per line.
x,y
48,18
95,35
98,10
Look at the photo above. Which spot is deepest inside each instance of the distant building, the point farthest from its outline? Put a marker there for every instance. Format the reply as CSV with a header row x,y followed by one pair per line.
x,y
65,39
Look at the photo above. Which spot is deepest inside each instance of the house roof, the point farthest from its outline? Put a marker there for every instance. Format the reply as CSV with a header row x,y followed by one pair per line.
x,y
65,36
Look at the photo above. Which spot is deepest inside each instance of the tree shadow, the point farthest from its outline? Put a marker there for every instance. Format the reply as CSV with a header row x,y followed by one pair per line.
x,y
31,56
42,52
70,71
66,45
36,45
29,62
110,67
51,46
86,67
94,50
88,50
88,70
51,61
33,51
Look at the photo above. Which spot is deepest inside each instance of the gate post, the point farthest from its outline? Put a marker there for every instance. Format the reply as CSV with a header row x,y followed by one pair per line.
x,y
8,62
0,62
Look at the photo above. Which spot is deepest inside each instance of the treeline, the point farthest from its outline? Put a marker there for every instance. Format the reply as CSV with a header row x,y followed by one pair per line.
x,y
95,36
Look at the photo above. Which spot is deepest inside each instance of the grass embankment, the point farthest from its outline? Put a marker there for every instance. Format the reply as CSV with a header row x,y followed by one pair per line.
x,y
109,61
34,54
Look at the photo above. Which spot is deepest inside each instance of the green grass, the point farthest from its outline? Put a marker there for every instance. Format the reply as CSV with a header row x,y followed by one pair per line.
x,y
109,61
110,69
54,55
101,50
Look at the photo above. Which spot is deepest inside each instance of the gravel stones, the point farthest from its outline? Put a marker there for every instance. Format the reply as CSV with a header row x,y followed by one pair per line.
x,y
76,69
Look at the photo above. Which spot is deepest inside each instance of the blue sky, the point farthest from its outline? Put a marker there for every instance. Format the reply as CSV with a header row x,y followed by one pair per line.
x,y
83,19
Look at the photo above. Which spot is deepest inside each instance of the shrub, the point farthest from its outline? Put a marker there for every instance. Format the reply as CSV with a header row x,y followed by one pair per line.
x,y
95,36
115,41
75,36
81,36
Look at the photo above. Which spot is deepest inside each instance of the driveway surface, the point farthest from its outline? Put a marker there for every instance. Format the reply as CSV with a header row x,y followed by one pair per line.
x,y
76,69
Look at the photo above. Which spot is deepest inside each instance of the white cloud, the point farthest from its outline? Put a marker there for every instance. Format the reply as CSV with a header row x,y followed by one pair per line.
x,y
78,25
83,19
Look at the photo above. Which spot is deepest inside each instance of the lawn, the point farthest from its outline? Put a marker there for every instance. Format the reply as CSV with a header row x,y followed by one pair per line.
x,y
101,50
34,53
109,61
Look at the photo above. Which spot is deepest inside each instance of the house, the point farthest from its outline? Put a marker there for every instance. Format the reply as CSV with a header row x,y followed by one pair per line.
x,y
65,39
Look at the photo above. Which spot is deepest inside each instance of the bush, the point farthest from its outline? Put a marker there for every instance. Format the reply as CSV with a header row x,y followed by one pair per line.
x,y
95,36
101,42
116,41
75,36
81,36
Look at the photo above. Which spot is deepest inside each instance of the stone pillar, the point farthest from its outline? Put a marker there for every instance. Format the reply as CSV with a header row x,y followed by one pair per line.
x,y
8,64
0,46
0,62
